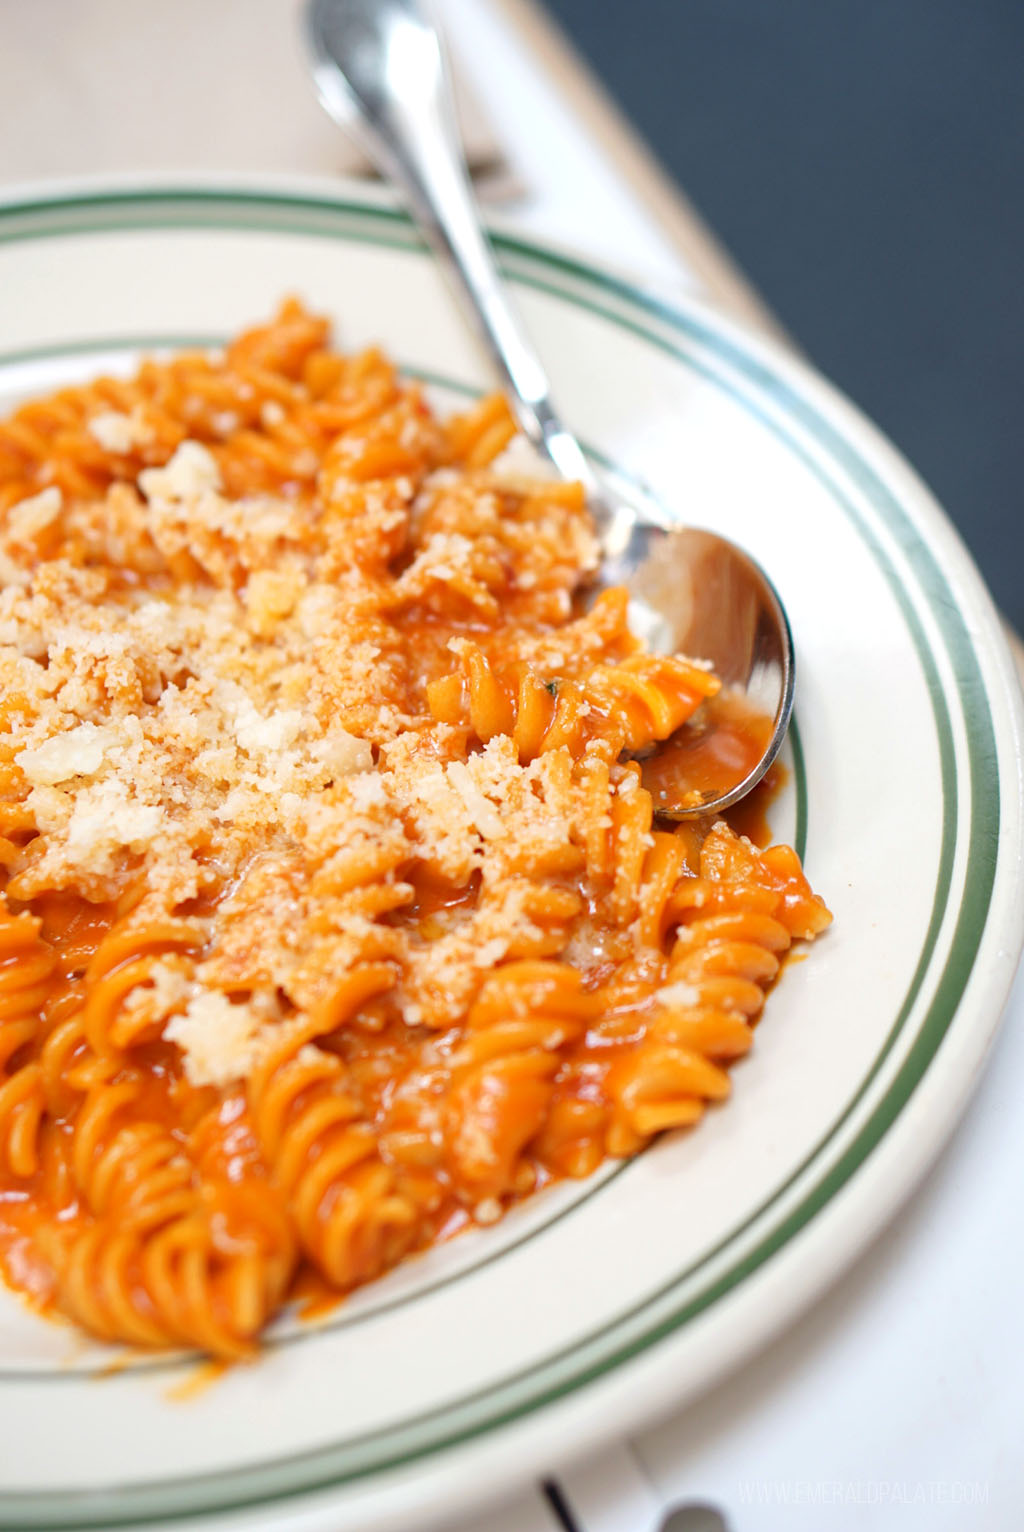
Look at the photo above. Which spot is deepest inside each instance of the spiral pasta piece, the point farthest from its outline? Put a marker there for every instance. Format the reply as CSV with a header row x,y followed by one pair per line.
x,y
26,969
350,1214
725,953
624,707
503,1080
122,968
167,1258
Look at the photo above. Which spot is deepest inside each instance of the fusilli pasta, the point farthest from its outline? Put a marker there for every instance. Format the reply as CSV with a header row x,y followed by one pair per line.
x,y
335,913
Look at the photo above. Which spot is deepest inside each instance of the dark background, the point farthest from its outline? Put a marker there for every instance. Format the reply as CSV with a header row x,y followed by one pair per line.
x,y
863,161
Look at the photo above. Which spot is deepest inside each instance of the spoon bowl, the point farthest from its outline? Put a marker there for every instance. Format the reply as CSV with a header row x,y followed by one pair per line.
x,y
380,72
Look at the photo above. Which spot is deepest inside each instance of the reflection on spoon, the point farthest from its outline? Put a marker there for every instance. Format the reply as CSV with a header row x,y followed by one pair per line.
x,y
722,745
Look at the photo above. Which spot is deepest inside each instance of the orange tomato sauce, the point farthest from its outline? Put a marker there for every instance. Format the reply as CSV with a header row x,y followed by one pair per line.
x,y
405,938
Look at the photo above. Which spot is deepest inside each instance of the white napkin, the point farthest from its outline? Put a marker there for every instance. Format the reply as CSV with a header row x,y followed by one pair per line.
x,y
90,86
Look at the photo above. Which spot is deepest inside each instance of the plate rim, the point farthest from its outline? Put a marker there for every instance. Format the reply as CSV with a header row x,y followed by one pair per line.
x,y
802,382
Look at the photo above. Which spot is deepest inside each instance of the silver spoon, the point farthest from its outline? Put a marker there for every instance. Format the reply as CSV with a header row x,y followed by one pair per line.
x,y
381,74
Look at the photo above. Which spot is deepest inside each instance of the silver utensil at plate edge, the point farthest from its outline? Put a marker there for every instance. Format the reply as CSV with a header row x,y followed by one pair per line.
x,y
380,70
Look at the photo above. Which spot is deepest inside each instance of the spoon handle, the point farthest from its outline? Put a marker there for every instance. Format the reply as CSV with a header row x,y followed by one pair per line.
x,y
380,71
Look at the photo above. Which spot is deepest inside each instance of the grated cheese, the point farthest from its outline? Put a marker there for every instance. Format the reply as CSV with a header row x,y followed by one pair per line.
x,y
117,432
220,1040
31,516
77,753
189,474
483,815
679,994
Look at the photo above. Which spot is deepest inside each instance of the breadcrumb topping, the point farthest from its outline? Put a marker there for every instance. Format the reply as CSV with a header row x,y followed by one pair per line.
x,y
221,706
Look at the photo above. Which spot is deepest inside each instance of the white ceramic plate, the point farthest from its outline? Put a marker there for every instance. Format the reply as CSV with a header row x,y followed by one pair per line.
x,y
598,1304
